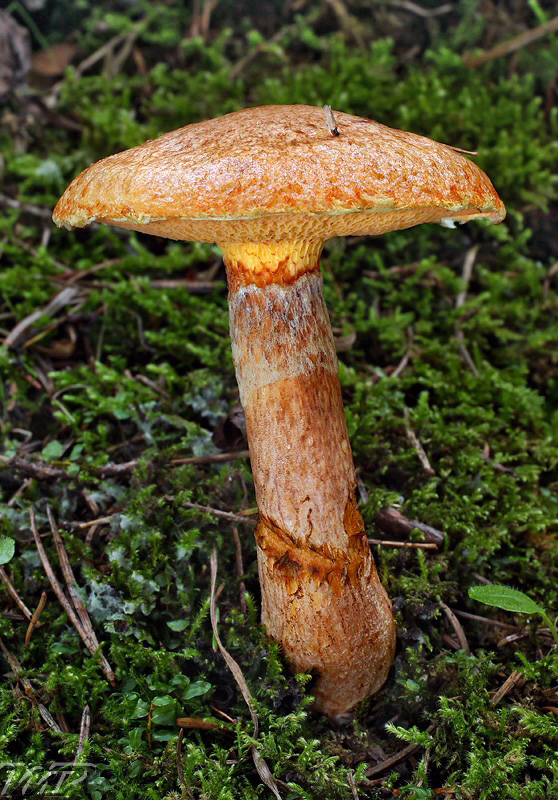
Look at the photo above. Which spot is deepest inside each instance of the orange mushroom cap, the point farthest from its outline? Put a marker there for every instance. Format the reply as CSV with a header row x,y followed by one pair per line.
x,y
278,173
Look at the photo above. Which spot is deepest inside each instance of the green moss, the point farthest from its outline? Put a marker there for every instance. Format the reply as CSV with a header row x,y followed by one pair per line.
x,y
150,376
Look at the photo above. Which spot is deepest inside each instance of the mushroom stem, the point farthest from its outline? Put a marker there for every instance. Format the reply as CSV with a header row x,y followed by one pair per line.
x,y
321,595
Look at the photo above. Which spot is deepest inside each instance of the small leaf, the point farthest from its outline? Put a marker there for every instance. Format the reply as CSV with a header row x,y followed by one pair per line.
x,y
7,549
505,598
52,451
178,625
196,689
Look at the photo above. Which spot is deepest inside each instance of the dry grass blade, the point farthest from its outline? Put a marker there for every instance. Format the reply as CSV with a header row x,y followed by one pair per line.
x,y
91,643
262,768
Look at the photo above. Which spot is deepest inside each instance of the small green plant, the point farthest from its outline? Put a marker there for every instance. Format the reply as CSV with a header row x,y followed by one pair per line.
x,y
511,600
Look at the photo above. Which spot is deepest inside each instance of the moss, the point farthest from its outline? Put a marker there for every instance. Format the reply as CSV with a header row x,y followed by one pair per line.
x,y
139,374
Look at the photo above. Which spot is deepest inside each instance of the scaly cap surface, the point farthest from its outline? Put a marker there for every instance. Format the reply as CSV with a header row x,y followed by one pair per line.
x,y
275,173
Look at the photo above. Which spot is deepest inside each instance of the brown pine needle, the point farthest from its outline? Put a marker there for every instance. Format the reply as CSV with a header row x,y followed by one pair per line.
x,y
199,724
456,625
419,449
34,621
70,579
83,732
239,569
261,767
507,686
395,759
84,633
12,591
16,668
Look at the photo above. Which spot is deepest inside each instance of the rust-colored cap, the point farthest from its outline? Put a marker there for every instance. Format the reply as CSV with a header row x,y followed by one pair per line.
x,y
279,173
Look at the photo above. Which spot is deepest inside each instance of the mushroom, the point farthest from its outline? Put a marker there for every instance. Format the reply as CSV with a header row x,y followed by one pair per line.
x,y
270,185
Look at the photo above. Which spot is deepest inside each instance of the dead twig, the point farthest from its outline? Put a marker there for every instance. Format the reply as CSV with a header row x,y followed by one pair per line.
x,y
74,276
466,273
36,211
194,287
419,449
413,8
19,491
395,759
406,357
512,638
260,48
112,470
407,545
58,302
352,786
34,469
107,49
34,621
484,620
347,22
261,766
394,523
217,458
456,625
82,526
239,569
42,471
513,45
215,512
199,724
86,634
515,678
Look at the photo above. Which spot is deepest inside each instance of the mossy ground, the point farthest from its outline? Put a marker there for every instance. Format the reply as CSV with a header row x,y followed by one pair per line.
x,y
134,368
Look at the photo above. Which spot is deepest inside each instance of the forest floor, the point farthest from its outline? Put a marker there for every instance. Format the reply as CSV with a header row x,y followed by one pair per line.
x,y
123,459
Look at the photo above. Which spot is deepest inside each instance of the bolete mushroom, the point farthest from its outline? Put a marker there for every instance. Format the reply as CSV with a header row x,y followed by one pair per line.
x,y
270,185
